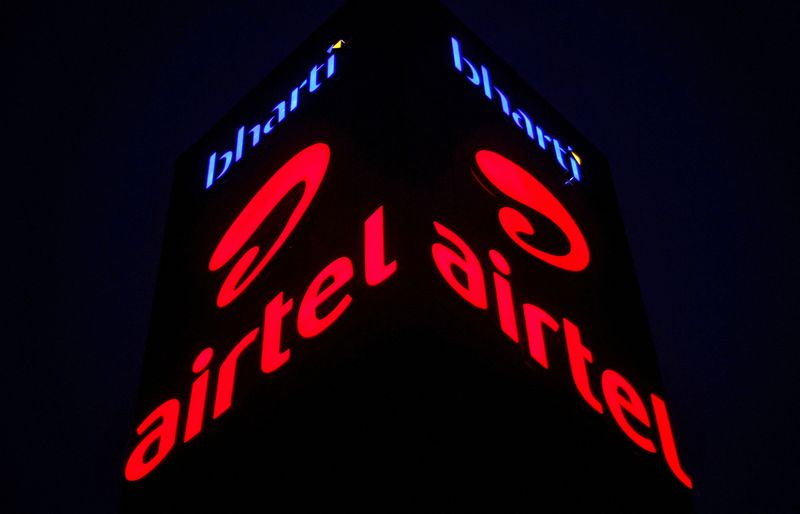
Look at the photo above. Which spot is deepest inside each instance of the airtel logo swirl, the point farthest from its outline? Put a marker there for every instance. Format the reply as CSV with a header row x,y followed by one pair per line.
x,y
512,180
308,168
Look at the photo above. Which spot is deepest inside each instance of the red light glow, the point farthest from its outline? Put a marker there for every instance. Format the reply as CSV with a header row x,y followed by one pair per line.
x,y
272,357
307,167
446,259
505,303
325,300
668,440
579,356
329,281
520,185
163,435
197,399
535,321
227,374
314,317
621,397
375,269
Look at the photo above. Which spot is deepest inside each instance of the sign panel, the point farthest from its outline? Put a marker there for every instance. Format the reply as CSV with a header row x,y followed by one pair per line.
x,y
394,277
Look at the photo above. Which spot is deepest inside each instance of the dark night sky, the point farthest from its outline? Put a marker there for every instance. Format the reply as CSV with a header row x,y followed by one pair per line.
x,y
694,106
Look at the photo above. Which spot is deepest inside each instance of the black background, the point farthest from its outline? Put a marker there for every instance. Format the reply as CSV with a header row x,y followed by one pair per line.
x,y
693,106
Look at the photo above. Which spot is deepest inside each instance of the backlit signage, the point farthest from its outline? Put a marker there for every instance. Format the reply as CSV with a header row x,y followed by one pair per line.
x,y
252,135
397,295
566,156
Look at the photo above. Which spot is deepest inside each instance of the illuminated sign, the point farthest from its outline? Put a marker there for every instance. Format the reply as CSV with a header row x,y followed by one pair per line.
x,y
520,185
308,168
393,298
520,117
160,428
254,133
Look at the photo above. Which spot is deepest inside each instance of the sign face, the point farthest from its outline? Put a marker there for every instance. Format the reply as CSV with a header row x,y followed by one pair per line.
x,y
394,277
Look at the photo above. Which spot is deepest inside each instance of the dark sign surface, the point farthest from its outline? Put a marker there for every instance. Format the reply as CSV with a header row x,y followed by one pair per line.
x,y
394,277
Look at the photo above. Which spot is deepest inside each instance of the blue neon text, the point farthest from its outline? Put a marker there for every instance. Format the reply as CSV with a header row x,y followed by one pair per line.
x,y
520,117
218,165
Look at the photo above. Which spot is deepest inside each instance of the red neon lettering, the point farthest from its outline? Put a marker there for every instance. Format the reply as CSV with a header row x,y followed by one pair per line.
x,y
621,397
197,398
535,320
446,259
272,357
309,324
375,269
307,167
579,355
505,303
227,374
668,440
164,435
518,184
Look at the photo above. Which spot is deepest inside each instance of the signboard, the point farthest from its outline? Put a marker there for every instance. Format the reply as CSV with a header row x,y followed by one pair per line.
x,y
394,277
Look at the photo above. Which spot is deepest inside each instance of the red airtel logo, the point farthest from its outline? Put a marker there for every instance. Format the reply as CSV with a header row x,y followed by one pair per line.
x,y
325,300
308,167
512,180
327,297
461,269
